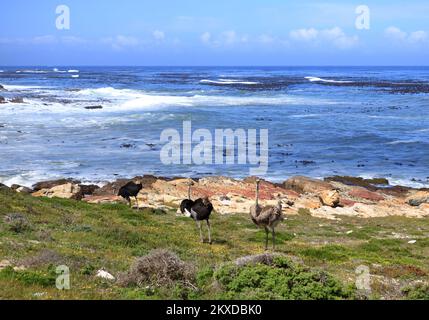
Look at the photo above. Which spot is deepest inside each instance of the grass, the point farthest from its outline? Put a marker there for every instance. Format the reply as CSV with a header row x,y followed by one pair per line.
x,y
88,237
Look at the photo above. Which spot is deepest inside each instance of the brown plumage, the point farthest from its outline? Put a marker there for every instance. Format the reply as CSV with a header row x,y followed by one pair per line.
x,y
267,217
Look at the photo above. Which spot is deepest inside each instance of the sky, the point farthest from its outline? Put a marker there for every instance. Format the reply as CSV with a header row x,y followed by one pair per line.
x,y
214,33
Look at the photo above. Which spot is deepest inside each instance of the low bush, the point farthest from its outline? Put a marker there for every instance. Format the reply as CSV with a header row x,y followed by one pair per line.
x,y
160,268
282,279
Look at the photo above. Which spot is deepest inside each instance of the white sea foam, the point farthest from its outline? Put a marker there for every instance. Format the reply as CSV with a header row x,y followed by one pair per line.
x,y
228,81
32,71
127,99
316,79
403,142
73,71
59,71
19,87
75,76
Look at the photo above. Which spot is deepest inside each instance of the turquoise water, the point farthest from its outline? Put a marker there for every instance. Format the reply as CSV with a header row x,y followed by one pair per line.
x,y
370,122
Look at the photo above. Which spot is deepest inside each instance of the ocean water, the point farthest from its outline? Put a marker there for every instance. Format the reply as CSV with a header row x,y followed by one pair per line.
x,y
322,121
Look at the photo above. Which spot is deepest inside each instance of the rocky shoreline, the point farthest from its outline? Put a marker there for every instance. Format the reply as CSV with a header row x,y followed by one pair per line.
x,y
330,198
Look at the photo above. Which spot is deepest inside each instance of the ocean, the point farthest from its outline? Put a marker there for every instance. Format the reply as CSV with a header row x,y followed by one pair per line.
x,y
98,124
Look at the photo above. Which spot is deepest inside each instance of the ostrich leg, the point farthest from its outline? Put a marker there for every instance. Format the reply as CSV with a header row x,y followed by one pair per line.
x,y
209,228
274,240
266,238
137,202
201,231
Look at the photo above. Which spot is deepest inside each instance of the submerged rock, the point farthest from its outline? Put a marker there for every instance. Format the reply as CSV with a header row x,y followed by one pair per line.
x,y
93,107
17,100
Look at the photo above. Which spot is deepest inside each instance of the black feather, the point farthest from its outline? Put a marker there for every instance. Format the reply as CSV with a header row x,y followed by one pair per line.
x,y
131,189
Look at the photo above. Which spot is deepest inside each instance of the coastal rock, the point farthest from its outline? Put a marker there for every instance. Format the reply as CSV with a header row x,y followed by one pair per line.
x,y
65,191
2,88
103,199
229,196
360,182
5,264
2,99
4,187
88,189
302,184
366,210
104,275
17,100
53,183
361,193
330,198
21,189
307,202
93,107
418,198
112,188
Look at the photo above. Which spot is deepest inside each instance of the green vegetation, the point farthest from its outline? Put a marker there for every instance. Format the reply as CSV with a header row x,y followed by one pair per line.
x,y
281,280
37,235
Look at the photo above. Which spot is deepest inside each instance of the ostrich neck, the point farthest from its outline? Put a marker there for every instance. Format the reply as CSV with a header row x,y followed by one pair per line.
x,y
257,195
189,192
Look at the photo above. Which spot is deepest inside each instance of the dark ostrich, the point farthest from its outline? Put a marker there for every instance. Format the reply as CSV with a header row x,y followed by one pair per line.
x,y
199,210
131,189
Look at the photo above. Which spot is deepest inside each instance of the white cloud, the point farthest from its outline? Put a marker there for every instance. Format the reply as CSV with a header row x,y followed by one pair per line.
x,y
158,35
206,38
335,36
395,33
418,36
43,39
398,35
72,40
266,39
304,34
120,42
226,38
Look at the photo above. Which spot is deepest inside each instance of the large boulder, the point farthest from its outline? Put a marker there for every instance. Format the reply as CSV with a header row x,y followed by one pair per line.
x,y
418,198
65,191
21,189
302,184
330,198
53,183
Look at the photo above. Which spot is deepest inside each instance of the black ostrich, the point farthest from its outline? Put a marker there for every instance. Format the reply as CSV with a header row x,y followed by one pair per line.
x,y
131,189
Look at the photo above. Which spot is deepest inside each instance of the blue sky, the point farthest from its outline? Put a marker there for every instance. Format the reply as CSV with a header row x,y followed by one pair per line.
x,y
195,32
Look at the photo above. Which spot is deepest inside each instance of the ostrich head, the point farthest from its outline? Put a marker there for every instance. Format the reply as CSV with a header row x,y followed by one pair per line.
x,y
206,201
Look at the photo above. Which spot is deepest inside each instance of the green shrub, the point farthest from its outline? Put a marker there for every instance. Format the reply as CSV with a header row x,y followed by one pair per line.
x,y
44,279
418,292
281,280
